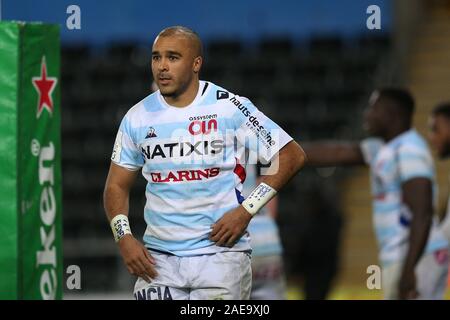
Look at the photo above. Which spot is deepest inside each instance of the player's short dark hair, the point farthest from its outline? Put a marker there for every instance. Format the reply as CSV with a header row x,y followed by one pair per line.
x,y
181,30
401,98
442,109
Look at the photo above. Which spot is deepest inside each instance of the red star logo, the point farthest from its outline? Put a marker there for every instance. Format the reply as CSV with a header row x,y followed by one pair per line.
x,y
44,86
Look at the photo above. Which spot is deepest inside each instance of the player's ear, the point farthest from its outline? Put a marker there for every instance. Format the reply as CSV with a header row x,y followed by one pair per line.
x,y
198,64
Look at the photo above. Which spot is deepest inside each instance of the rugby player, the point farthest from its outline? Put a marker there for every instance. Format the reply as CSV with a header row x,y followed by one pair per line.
x,y
186,139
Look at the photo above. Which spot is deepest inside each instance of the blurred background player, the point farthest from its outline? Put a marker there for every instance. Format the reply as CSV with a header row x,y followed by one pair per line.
x,y
439,124
412,249
268,278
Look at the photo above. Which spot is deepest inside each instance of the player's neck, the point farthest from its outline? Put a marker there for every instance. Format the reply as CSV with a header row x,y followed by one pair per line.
x,y
186,97
395,132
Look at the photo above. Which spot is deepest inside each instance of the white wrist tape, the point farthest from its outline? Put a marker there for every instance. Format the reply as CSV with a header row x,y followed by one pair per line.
x,y
258,198
120,226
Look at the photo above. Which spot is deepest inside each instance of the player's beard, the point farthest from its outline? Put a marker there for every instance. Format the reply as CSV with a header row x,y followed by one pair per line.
x,y
168,93
175,92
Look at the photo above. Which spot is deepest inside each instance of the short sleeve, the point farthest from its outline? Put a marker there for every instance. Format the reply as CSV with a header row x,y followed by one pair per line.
x,y
254,130
370,148
126,152
414,163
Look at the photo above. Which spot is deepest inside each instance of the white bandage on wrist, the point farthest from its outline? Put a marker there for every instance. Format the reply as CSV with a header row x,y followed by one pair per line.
x,y
120,226
258,198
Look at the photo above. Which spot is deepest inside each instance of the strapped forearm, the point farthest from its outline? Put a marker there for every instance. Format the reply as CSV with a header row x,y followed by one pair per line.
x,y
116,207
284,166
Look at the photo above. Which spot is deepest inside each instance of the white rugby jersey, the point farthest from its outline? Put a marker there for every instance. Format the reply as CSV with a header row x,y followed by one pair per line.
x,y
403,158
189,157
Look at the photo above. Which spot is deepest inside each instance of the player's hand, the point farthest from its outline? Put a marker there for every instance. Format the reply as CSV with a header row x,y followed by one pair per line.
x,y
407,286
230,228
137,258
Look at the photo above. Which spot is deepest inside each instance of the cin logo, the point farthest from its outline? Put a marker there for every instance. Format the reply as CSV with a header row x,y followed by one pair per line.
x,y
202,127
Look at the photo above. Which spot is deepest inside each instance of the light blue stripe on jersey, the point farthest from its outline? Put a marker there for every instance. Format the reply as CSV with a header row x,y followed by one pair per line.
x,y
398,240
129,154
163,219
200,219
419,170
436,244
156,219
408,155
417,174
180,246
161,130
131,157
227,123
387,232
174,245
152,104
201,189
389,168
127,128
383,207
391,188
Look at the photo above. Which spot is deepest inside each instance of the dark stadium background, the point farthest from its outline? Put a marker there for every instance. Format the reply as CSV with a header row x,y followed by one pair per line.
x,y
309,65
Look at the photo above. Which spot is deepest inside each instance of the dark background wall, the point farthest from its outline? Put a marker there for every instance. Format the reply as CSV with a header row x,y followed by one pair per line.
x,y
140,20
